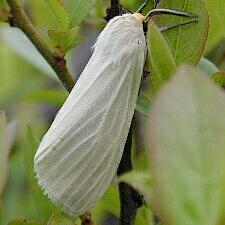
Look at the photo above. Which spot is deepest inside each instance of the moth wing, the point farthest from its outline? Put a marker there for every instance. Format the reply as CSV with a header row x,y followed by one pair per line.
x,y
79,155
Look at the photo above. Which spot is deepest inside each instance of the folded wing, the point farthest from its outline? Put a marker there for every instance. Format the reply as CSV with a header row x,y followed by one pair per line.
x,y
79,155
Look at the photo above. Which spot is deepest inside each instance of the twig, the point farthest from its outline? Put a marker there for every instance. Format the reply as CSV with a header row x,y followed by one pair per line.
x,y
130,199
20,20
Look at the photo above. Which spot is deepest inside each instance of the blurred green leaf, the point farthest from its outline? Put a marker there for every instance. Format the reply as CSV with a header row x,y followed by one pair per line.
x,y
186,139
219,78
78,10
3,152
3,3
110,201
59,220
11,130
133,5
161,58
207,67
140,160
23,222
44,20
60,13
65,40
217,20
187,43
44,207
16,41
54,97
143,104
4,14
140,181
144,217
1,212
7,138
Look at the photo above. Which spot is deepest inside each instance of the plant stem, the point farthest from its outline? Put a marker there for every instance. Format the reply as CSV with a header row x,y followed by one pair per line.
x,y
130,199
20,20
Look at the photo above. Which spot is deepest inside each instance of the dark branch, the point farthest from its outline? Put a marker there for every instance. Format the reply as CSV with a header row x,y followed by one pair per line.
x,y
114,10
130,199
114,3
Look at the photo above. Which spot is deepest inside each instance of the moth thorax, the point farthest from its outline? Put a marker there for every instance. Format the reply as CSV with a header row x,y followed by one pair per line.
x,y
139,16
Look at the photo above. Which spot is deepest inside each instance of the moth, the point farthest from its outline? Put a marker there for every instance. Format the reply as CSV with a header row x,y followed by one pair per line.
x,y
79,155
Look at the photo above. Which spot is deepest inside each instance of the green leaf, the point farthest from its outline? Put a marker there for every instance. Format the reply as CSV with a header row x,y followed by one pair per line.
x,y
54,97
23,222
187,154
4,14
143,104
44,206
7,138
65,40
3,152
11,130
3,3
19,44
78,10
144,216
1,212
139,180
187,43
133,5
161,58
217,20
59,220
60,13
219,78
110,201
207,67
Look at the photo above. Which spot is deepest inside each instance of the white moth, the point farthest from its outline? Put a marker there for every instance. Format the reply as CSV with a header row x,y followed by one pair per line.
x,y
79,155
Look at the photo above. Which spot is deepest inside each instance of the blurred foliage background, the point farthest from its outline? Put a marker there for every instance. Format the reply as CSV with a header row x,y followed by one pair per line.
x,y
30,94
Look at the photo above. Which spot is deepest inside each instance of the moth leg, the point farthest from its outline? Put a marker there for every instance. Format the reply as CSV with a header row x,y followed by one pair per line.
x,y
165,28
155,3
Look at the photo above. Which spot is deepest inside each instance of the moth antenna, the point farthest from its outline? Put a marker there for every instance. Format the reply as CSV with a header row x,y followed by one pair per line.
x,y
155,3
142,7
169,12
165,28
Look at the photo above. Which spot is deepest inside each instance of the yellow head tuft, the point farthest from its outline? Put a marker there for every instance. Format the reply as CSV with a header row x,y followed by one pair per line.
x,y
139,16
